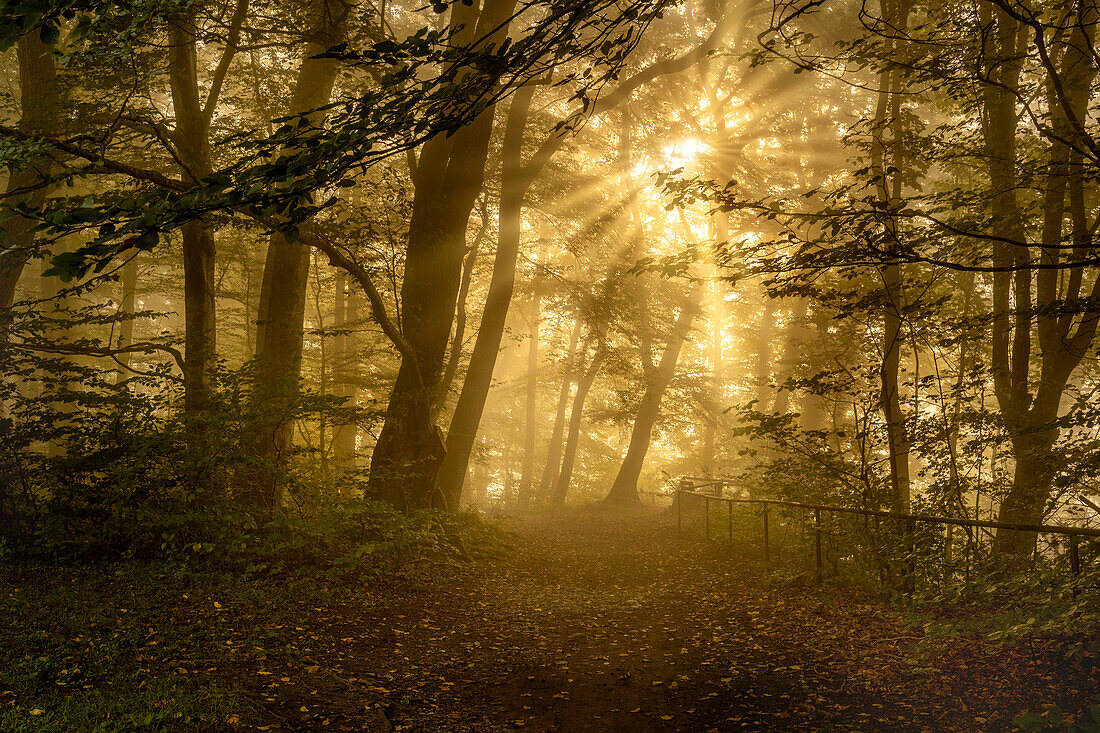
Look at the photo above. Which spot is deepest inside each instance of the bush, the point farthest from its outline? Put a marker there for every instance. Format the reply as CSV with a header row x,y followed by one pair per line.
x,y
92,468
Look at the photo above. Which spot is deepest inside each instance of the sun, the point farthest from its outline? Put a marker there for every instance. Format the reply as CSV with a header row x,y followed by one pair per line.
x,y
683,151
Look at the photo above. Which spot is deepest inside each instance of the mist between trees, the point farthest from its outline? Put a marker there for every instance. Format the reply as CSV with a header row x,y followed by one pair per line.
x,y
270,257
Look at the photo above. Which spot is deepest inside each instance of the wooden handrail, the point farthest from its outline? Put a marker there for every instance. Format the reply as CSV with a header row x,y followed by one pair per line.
x,y
1043,528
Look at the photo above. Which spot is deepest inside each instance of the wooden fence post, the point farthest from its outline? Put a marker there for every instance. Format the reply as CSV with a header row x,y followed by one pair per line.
x,y
817,546
767,545
706,511
911,561
969,551
1074,562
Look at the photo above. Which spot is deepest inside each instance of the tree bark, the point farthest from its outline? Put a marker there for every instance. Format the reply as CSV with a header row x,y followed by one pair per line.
x,y
764,332
576,415
345,433
1063,339
455,354
192,142
530,427
552,467
127,308
888,115
713,398
281,314
624,491
40,101
479,373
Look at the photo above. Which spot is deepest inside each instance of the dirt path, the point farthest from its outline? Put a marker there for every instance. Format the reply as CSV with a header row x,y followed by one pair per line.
x,y
604,622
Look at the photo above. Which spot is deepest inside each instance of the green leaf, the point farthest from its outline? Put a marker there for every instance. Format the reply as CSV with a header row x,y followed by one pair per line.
x,y
49,34
1029,721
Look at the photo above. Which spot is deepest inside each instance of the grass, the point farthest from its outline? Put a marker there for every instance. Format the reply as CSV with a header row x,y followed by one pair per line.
x,y
135,646
176,646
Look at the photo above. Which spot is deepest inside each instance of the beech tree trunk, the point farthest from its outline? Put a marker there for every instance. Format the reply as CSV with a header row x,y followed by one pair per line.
x,y
279,323
1021,302
127,307
193,147
479,373
345,433
576,415
713,397
455,354
792,345
888,114
552,468
530,427
40,101
447,181
624,490
764,332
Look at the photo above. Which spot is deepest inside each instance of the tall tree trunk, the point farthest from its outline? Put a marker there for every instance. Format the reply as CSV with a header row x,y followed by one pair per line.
x,y
764,332
253,284
888,115
454,356
40,102
625,488
1063,339
281,314
127,308
714,388
479,373
193,147
448,179
792,344
576,416
530,427
952,422
552,467
346,432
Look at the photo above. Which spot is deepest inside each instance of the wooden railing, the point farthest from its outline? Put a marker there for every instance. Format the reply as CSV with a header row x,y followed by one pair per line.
x,y
688,487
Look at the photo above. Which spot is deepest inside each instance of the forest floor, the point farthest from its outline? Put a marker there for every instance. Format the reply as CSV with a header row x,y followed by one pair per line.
x,y
593,621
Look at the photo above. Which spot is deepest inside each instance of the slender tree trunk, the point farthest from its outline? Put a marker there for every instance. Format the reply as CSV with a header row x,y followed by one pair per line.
x,y
253,283
193,146
714,388
40,102
764,333
479,373
792,344
1063,339
454,356
952,422
576,416
448,179
127,308
281,314
527,474
553,454
625,488
888,115
346,432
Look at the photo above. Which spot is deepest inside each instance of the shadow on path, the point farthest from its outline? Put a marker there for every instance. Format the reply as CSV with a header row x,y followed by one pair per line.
x,y
609,621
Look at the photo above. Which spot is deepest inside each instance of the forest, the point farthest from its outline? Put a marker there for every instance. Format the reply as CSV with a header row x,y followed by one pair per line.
x,y
550,365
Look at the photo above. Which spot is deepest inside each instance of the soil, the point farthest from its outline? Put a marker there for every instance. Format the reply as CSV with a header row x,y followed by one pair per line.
x,y
608,621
